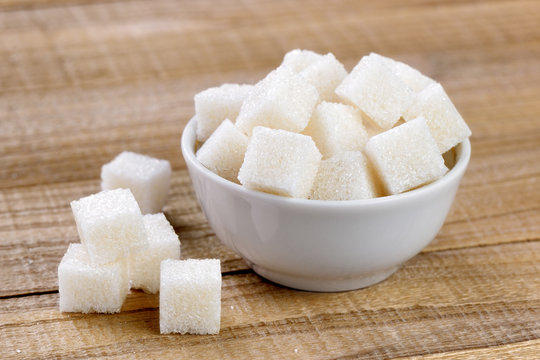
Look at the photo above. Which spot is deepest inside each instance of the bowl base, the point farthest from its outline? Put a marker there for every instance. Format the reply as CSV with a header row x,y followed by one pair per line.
x,y
324,285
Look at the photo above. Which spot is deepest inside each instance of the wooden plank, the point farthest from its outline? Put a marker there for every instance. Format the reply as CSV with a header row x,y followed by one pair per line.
x,y
35,154
509,214
522,350
120,32
439,302
146,120
101,44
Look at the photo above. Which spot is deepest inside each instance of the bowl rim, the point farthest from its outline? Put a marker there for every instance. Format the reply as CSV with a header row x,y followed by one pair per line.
x,y
463,154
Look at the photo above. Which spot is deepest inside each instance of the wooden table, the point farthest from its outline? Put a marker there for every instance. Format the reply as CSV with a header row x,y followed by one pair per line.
x,y
81,81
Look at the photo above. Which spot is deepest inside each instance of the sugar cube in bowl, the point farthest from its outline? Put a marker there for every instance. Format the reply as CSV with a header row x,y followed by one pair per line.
x,y
320,245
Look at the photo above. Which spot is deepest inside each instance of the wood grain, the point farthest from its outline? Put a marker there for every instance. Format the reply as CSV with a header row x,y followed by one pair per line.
x,y
523,350
81,81
39,217
434,302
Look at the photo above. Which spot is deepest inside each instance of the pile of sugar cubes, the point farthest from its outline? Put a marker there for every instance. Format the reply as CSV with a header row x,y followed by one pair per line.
x,y
311,130
123,247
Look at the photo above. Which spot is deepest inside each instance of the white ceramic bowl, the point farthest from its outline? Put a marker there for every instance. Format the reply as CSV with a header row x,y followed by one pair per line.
x,y
322,245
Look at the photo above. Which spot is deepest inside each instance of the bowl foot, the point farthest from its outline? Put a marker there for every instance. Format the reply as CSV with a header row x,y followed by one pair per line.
x,y
321,284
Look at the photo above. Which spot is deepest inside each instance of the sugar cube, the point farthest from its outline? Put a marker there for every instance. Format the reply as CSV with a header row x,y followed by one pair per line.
x,y
163,244
336,128
406,156
345,176
298,60
324,72
280,162
148,179
282,100
377,91
110,225
86,288
190,296
216,104
409,75
444,121
223,152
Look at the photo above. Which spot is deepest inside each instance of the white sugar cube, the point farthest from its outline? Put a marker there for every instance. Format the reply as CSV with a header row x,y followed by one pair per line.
x,y
324,72
110,225
298,60
444,121
344,177
223,152
409,75
87,288
280,162
163,244
336,128
148,179
406,156
216,104
190,296
282,100
377,91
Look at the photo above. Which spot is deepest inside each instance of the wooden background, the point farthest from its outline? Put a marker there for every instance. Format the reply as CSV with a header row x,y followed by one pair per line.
x,y
82,80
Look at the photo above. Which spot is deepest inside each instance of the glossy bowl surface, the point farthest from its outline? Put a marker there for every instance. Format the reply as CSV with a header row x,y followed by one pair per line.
x,y
320,245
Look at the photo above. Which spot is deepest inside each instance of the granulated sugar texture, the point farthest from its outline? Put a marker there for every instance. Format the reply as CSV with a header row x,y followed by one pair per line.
x,y
380,129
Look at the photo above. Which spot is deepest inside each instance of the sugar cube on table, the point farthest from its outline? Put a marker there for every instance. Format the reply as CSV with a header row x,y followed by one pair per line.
x,y
223,152
377,91
444,121
345,176
216,104
110,225
282,100
409,75
190,296
87,288
406,156
280,162
336,128
298,60
148,179
163,244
